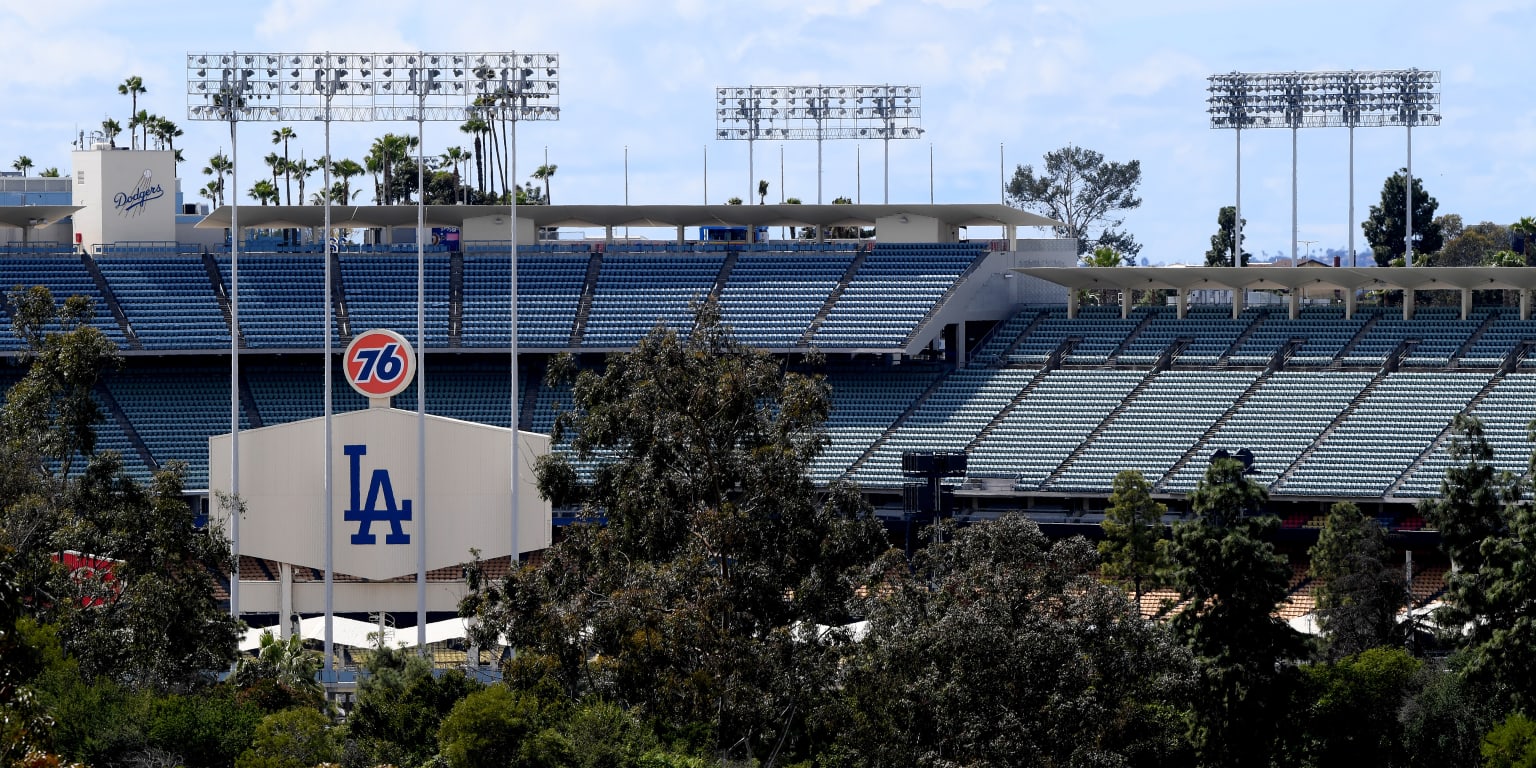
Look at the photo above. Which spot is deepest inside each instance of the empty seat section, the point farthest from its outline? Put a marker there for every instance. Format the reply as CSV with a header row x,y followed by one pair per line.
x,y
168,300
1049,423
1283,416
200,395
771,297
1377,442
893,290
1099,331
1209,338
282,299
1324,333
1497,341
1506,416
64,276
1156,428
549,289
864,405
635,291
949,419
381,293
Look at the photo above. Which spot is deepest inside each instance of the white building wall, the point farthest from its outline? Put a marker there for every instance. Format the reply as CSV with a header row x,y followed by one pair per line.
x,y
129,195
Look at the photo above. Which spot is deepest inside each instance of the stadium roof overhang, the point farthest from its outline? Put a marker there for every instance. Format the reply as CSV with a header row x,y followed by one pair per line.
x,y
1284,278
783,215
35,215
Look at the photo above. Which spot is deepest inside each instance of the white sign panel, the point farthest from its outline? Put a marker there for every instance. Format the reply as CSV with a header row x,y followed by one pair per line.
x,y
376,500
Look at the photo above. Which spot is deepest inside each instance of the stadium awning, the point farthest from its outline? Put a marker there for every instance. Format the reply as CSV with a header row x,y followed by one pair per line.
x,y
363,216
1286,278
35,215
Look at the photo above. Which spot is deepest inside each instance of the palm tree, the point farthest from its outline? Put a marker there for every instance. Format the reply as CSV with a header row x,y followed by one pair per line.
x,y
214,191
545,173
478,128
345,169
132,87
110,129
387,150
284,662
762,191
23,164
51,172
141,119
302,170
455,156
219,165
282,136
276,163
166,133
265,191
1526,229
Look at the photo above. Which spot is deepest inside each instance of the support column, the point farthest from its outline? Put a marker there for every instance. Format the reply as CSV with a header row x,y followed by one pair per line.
x,y
1525,304
1407,303
284,599
1012,233
1237,302
608,235
1466,303
680,238
1295,303
1125,303
1183,302
960,344
1349,303
1072,304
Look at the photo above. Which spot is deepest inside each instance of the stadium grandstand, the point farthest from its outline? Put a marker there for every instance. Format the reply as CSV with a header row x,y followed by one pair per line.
x,y
1337,382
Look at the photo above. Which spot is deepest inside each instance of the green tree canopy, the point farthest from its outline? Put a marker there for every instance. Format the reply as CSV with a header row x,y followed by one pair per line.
x,y
1225,567
1220,254
717,550
1385,227
1085,192
1360,591
999,647
1134,533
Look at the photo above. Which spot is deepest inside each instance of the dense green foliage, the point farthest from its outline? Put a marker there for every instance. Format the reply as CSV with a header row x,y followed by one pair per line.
x,y
1220,254
1134,533
1386,226
1360,592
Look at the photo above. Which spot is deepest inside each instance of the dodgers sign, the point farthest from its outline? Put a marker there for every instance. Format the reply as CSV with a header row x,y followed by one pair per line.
x,y
379,364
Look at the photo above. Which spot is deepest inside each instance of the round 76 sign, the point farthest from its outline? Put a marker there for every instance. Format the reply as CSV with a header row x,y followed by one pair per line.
x,y
379,364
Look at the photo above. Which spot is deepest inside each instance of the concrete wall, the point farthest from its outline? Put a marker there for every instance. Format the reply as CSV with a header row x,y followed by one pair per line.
x,y
494,228
910,228
129,195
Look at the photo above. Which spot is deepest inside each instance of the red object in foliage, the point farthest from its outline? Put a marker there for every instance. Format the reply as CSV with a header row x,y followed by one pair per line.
x,y
87,570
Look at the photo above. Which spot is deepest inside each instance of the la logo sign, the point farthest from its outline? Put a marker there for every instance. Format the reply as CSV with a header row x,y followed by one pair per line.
x,y
380,364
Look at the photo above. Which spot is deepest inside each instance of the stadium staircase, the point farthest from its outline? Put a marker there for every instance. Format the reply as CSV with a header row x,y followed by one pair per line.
x,y
216,280
1322,437
248,404
1040,317
339,299
1221,421
1455,362
837,293
895,426
1354,341
1125,343
588,290
1012,405
725,274
1429,450
455,299
938,305
1125,405
1242,338
528,400
124,423
1516,356
105,289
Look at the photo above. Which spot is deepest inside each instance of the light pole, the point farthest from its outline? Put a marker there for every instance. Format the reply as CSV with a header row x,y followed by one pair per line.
x,y
1350,99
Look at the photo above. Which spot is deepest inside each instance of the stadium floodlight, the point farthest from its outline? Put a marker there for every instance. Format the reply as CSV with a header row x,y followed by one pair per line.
x,y
1348,99
370,87
819,112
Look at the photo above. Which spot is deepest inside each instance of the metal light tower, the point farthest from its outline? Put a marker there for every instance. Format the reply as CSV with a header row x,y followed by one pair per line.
x,y
819,112
1351,99
369,87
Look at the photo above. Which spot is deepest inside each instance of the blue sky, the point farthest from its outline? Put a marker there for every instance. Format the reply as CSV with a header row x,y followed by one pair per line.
x,y
1124,78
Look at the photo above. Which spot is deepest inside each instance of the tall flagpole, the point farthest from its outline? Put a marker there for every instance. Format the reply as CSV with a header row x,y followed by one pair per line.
x,y
234,357
421,367
330,521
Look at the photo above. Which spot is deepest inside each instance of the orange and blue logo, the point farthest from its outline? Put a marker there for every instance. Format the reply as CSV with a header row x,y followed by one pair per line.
x,y
379,363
